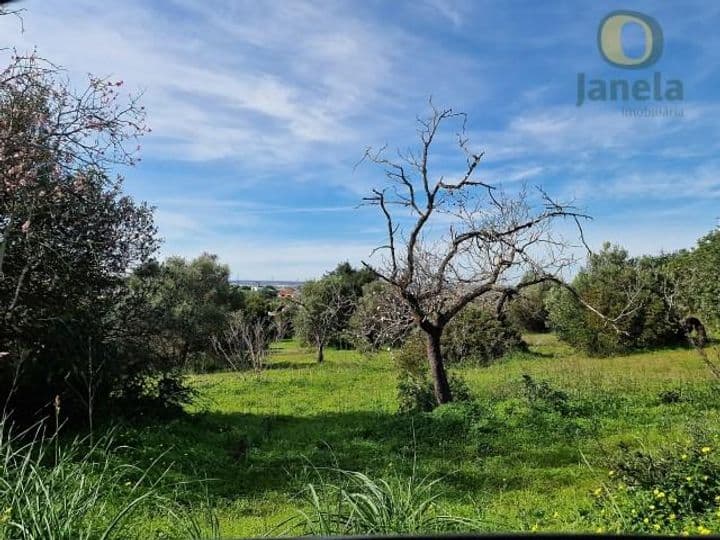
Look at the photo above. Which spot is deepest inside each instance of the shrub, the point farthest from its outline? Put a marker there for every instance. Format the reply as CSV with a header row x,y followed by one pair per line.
x,y
626,291
415,388
694,274
477,337
527,310
675,491
542,396
670,396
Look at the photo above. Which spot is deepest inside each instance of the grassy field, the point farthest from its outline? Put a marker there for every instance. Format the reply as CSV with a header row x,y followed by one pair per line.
x,y
255,436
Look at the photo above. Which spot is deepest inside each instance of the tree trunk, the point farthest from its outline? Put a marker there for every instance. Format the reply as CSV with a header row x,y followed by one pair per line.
x,y
437,368
320,353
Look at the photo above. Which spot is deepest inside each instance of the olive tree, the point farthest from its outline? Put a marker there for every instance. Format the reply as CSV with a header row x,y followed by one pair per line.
x,y
325,307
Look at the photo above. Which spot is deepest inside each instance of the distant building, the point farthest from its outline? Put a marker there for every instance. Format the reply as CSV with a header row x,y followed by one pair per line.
x,y
287,292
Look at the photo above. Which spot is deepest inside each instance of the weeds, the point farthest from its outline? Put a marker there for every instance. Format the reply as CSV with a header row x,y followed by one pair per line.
x,y
349,502
77,491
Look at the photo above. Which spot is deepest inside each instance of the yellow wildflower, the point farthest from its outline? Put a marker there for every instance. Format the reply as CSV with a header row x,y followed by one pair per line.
x,y
684,457
600,530
705,449
703,530
534,528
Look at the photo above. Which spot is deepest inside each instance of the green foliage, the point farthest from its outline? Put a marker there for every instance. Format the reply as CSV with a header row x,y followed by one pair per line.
x,y
415,388
326,306
519,466
675,491
527,311
79,490
696,276
475,336
354,279
353,503
543,396
626,291
72,327
191,300
70,319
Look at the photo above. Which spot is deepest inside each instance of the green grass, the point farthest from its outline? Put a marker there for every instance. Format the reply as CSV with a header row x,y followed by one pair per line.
x,y
258,438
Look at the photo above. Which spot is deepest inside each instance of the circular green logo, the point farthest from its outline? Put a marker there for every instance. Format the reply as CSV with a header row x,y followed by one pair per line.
x,y
610,40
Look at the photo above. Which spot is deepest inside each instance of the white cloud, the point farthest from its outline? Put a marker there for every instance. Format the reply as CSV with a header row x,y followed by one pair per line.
x,y
275,260
260,83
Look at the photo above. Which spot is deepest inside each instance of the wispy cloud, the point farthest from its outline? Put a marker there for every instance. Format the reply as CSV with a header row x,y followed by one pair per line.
x,y
260,110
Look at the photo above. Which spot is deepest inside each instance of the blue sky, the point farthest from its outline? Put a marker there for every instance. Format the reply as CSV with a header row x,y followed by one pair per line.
x,y
260,110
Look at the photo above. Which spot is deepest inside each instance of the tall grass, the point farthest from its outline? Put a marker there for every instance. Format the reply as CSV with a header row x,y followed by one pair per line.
x,y
78,490
348,502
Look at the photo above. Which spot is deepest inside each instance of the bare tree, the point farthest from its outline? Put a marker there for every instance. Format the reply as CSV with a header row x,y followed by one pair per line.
x,y
451,241
382,319
282,320
244,342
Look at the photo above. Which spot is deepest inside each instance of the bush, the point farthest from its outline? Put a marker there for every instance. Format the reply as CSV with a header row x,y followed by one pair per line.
x,y
477,337
695,276
71,325
415,388
542,396
674,492
626,291
527,310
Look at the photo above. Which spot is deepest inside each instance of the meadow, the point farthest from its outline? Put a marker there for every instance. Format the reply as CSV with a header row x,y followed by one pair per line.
x,y
511,461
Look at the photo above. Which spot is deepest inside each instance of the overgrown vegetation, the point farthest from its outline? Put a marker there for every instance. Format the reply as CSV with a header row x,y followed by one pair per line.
x,y
675,490
52,489
349,502
95,332
628,293
521,454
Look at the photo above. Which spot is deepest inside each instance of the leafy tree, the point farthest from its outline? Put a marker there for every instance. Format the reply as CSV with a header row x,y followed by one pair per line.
x,y
325,309
629,292
68,237
354,279
527,310
192,300
695,275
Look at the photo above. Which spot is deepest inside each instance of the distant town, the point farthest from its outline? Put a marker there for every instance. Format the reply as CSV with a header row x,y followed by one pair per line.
x,y
281,289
